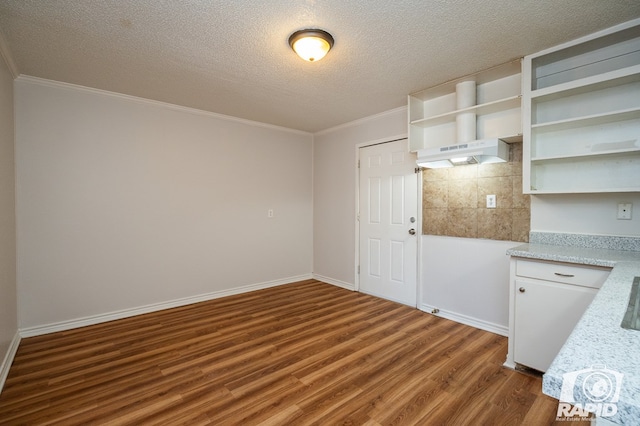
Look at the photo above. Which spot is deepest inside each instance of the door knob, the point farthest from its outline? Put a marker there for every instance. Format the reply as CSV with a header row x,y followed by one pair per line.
x,y
412,231
521,290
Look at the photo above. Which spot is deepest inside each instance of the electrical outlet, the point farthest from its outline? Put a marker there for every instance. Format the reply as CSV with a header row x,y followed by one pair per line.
x,y
491,201
624,211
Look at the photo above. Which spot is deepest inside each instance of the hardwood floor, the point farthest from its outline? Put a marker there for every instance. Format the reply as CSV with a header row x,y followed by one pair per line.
x,y
303,353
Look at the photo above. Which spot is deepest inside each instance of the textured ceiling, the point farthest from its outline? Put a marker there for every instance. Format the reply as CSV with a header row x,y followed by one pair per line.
x,y
231,56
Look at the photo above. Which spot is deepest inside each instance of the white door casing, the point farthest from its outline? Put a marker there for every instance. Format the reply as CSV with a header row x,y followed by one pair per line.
x,y
388,200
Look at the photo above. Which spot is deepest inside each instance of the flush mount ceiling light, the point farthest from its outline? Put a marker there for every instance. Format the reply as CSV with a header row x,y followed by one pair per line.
x,y
311,45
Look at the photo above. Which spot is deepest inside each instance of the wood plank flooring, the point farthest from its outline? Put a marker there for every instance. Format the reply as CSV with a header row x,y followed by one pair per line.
x,y
303,353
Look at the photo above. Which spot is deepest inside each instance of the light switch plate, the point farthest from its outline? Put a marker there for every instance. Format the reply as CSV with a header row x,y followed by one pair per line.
x,y
624,211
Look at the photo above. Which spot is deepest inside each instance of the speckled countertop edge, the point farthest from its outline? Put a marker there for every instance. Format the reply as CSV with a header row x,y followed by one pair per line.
x,y
583,256
610,242
598,339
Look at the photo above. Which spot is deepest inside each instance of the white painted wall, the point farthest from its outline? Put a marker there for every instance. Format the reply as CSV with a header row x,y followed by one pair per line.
x,y
467,280
8,304
585,214
123,203
476,291
334,191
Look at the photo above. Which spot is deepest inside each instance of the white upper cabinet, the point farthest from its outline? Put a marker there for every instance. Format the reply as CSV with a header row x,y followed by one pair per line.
x,y
479,106
581,114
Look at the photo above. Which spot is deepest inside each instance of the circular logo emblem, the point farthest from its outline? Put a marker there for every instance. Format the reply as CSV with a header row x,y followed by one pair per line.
x,y
597,387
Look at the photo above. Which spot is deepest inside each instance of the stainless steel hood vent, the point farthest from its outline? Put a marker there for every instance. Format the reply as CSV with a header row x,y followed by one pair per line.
x,y
480,152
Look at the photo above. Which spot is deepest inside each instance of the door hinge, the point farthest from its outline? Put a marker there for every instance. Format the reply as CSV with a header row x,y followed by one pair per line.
x,y
417,170
358,163
358,269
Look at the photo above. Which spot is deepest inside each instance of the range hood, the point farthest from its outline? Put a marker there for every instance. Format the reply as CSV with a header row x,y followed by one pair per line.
x,y
477,152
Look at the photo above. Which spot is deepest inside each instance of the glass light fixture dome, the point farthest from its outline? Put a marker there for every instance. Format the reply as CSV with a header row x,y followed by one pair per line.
x,y
311,44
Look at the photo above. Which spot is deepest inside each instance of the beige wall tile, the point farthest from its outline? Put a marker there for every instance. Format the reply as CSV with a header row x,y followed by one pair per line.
x,y
462,223
521,225
435,195
429,175
495,224
495,169
520,200
462,193
435,221
515,158
454,200
515,152
469,171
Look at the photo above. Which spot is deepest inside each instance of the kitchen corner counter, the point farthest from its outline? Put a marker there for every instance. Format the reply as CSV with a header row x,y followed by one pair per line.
x,y
598,341
580,255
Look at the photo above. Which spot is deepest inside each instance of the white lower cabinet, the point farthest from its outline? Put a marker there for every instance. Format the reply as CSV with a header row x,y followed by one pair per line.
x,y
547,300
546,312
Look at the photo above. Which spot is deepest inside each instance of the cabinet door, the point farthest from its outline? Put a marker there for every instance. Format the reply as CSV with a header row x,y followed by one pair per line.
x,y
545,315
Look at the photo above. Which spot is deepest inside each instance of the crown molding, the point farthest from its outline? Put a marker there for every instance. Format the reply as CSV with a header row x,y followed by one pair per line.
x,y
362,120
166,105
8,58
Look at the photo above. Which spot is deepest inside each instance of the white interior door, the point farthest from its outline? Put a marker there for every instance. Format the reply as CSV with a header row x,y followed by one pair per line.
x,y
388,231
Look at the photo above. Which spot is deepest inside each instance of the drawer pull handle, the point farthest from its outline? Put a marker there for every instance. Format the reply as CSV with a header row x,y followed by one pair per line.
x,y
564,275
522,289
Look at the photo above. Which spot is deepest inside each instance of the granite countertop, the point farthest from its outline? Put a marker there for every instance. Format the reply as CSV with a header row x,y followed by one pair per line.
x,y
582,256
598,341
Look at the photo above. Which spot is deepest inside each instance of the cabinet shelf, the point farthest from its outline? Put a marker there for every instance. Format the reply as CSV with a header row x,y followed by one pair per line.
x,y
581,190
486,108
609,172
590,120
587,155
588,84
433,112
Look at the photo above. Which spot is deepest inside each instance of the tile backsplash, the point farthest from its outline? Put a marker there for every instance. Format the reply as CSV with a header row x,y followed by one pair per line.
x,y
454,200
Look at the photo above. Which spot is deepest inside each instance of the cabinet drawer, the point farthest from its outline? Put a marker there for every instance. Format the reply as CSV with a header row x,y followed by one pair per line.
x,y
582,275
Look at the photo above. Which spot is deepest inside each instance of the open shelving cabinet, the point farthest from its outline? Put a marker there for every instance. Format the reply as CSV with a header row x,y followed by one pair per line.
x,y
497,109
581,114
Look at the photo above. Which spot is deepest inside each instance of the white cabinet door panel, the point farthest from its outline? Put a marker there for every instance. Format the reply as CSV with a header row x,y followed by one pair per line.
x,y
545,315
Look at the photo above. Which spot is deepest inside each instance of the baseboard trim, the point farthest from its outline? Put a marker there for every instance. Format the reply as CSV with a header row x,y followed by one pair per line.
x,y
335,282
467,320
8,359
125,313
508,364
